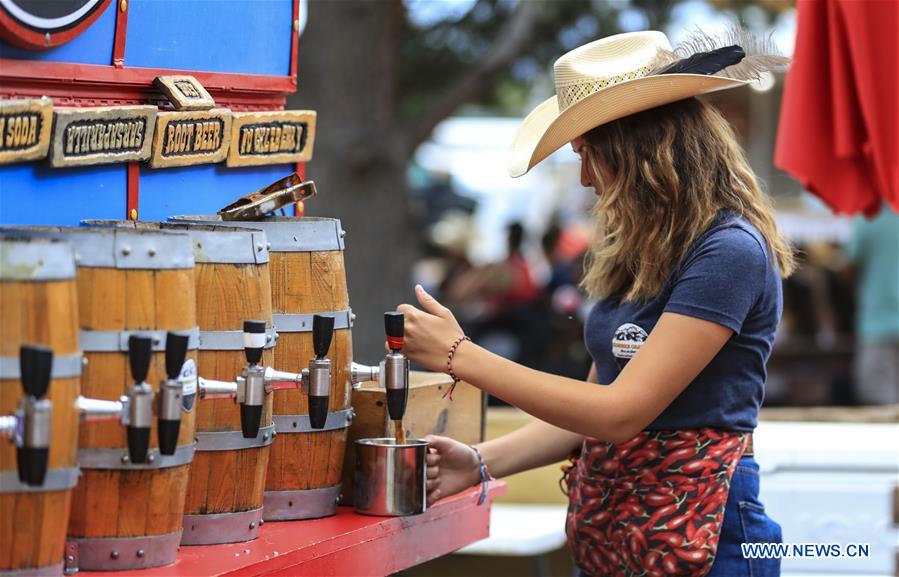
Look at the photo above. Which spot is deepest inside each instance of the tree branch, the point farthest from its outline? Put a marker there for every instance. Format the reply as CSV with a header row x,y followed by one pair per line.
x,y
512,40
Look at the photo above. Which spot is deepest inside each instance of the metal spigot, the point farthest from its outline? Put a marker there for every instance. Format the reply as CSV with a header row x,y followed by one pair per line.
x,y
393,372
395,366
29,427
169,399
251,385
138,401
317,378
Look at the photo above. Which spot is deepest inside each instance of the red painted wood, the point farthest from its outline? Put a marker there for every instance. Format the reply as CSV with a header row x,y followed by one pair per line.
x,y
133,191
345,544
121,30
299,208
294,42
25,78
15,33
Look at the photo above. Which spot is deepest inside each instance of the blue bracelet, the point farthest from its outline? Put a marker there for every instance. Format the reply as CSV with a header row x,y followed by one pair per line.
x,y
485,475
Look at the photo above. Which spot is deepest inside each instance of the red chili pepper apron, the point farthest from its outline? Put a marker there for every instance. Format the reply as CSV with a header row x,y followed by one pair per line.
x,y
651,506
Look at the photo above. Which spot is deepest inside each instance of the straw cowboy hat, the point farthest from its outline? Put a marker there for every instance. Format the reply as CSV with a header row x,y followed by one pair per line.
x,y
627,73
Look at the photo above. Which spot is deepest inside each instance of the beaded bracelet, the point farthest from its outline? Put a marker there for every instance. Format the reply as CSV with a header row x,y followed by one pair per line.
x,y
449,365
486,477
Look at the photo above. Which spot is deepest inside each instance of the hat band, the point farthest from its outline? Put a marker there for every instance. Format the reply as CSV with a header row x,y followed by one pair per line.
x,y
570,93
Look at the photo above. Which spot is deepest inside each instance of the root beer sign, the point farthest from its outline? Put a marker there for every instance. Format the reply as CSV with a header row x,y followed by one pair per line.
x,y
184,138
25,129
101,135
271,137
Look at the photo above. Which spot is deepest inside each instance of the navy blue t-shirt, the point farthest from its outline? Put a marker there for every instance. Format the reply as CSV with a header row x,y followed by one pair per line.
x,y
726,277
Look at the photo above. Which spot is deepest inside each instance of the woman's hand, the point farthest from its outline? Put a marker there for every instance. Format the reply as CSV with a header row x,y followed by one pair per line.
x,y
452,467
429,333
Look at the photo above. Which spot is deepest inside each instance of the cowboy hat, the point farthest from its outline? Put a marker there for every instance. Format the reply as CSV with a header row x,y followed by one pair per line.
x,y
628,73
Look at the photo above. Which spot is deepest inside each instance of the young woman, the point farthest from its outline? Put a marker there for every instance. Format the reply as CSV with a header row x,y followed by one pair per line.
x,y
686,268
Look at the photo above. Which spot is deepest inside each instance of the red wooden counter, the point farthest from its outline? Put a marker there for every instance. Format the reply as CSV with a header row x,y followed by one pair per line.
x,y
346,544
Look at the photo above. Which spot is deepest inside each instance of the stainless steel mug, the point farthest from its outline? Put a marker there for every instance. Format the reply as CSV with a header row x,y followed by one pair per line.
x,y
390,479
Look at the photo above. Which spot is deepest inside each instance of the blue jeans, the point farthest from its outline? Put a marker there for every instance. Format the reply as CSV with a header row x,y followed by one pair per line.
x,y
745,521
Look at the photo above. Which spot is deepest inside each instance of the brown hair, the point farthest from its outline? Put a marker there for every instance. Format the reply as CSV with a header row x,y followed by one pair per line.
x,y
663,175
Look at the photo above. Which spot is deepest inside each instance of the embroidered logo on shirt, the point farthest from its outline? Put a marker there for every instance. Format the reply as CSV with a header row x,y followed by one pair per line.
x,y
626,342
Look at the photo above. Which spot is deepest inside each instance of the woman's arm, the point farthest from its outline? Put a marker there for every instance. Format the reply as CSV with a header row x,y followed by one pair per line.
x,y
536,444
678,348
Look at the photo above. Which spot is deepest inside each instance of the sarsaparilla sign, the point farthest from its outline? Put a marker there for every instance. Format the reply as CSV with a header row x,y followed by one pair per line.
x,y
271,137
102,135
184,138
25,129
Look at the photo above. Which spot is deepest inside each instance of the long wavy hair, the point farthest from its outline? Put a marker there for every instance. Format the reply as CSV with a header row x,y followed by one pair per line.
x,y
663,175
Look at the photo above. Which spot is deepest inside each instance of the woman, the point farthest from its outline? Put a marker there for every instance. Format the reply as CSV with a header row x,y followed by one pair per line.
x,y
686,268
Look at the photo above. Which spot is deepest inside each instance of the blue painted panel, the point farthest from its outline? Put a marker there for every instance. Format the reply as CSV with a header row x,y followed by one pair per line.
x,y
33,193
240,36
93,46
202,189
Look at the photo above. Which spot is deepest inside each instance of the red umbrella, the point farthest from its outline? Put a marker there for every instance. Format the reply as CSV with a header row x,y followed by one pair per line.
x,y
839,123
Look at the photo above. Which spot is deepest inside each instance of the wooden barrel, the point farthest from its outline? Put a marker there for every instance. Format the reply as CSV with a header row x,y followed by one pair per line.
x,y
128,515
227,477
308,277
38,306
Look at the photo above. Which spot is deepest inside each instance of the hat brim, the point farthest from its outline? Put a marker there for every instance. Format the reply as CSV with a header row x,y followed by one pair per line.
x,y
546,130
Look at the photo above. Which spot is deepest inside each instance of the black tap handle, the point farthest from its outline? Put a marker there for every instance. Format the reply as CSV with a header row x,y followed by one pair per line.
x,y
175,353
322,331
252,342
140,350
35,366
393,324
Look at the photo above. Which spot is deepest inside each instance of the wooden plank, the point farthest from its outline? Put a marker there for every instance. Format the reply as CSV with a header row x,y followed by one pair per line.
x,y
280,137
294,288
29,512
134,503
7,524
25,129
223,479
101,134
184,92
51,539
321,442
188,138
198,483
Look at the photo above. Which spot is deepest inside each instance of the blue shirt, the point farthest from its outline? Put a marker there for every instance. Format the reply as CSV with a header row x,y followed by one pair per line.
x,y
726,277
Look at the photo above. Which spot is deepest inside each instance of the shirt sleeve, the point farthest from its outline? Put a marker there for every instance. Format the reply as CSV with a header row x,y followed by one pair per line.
x,y
722,279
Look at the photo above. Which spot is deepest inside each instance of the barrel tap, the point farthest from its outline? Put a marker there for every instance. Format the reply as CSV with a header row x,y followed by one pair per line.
x,y
256,381
393,372
29,427
134,409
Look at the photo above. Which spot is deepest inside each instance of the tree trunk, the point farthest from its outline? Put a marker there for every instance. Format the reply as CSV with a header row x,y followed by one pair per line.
x,y
347,61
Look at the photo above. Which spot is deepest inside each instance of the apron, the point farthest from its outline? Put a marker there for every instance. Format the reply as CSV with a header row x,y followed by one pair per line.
x,y
653,505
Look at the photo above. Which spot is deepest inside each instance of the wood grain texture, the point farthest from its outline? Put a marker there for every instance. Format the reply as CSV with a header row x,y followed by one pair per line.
x,y
229,481
118,503
29,137
101,134
33,525
276,137
186,138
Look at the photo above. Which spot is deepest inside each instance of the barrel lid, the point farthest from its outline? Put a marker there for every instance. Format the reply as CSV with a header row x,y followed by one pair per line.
x,y
27,258
120,248
212,243
287,233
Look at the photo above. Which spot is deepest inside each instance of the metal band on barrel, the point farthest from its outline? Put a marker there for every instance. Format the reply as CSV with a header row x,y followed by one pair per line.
x,y
64,367
117,341
229,247
301,504
217,528
46,571
286,234
123,248
30,260
287,424
232,340
55,480
120,553
233,440
116,458
302,323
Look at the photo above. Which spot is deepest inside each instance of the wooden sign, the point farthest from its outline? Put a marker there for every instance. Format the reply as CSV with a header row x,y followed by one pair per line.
x,y
271,137
25,129
184,138
101,135
185,92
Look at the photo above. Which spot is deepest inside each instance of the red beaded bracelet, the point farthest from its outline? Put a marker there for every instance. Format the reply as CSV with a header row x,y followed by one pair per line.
x,y
449,365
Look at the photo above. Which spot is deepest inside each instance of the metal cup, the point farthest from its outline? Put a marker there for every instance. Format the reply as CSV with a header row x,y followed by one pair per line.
x,y
390,479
